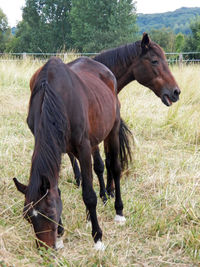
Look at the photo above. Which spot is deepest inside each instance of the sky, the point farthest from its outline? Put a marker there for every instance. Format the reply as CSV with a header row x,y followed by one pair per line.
x,y
12,8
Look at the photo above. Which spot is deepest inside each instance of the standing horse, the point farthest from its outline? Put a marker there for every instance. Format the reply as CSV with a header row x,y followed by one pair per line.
x,y
145,62
71,111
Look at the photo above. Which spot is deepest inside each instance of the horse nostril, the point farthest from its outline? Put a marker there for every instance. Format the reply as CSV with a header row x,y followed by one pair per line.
x,y
177,92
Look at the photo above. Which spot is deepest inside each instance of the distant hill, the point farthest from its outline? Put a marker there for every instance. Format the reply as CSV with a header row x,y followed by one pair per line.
x,y
178,20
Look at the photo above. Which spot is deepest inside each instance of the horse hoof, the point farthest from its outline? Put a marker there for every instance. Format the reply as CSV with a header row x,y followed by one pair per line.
x,y
120,219
99,246
60,231
78,182
59,243
104,199
111,194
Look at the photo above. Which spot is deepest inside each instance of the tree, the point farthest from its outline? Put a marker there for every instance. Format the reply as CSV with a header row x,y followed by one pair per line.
x,y
22,41
179,42
193,41
100,24
165,38
45,26
5,32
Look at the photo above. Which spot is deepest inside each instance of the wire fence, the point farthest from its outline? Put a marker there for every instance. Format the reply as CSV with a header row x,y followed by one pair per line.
x,y
42,56
183,57
172,58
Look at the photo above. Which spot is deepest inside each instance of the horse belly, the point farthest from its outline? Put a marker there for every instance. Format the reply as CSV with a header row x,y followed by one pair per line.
x,y
102,105
102,116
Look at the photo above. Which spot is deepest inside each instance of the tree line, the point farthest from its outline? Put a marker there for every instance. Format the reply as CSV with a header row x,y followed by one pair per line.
x,y
86,26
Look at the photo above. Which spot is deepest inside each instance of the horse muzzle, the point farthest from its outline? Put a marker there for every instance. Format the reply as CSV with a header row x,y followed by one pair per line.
x,y
170,95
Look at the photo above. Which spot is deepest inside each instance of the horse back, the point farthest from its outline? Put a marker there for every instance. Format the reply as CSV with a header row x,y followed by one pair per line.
x,y
93,68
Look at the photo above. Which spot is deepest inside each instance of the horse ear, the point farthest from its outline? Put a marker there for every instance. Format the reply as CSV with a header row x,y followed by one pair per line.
x,y
20,187
45,185
145,42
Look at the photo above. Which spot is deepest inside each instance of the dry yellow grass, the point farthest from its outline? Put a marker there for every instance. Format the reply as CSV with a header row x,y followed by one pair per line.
x,y
160,190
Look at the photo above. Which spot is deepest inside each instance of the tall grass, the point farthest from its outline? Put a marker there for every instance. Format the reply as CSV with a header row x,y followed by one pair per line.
x,y
161,190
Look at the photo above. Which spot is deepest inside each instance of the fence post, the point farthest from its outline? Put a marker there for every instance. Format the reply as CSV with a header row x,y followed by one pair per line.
x,y
65,57
180,60
24,55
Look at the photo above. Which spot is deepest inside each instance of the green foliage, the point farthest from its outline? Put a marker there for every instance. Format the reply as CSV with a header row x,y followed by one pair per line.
x,y
165,38
97,25
45,27
22,41
86,25
179,42
94,25
178,20
5,32
3,21
193,41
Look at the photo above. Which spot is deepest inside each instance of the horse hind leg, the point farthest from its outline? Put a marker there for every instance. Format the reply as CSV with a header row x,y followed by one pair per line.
x,y
112,150
110,186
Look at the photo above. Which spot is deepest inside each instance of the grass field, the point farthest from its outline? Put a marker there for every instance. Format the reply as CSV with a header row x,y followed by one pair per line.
x,y
160,190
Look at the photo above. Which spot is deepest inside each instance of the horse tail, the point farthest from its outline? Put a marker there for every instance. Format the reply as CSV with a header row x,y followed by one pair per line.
x,y
125,136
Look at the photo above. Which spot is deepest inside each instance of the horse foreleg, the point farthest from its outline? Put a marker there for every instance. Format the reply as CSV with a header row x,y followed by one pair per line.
x,y
61,229
89,196
99,169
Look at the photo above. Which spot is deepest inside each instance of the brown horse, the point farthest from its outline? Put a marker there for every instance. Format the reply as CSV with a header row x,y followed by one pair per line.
x,y
145,62
71,111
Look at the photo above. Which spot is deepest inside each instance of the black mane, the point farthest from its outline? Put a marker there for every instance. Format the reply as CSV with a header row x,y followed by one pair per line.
x,y
121,55
50,134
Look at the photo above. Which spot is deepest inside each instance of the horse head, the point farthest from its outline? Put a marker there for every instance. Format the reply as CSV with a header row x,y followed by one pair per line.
x,y
151,69
43,213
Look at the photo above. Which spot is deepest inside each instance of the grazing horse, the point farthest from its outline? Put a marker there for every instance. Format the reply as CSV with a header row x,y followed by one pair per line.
x,y
145,62
71,111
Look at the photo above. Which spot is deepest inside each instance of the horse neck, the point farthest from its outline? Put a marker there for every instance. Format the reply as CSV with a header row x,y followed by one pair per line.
x,y
124,79
46,159
120,61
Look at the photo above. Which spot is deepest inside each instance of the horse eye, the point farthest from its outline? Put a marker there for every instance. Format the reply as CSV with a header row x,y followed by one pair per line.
x,y
154,62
